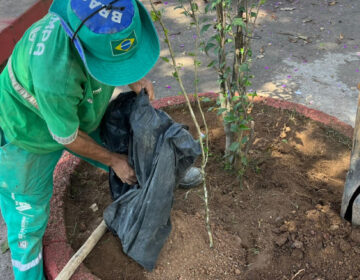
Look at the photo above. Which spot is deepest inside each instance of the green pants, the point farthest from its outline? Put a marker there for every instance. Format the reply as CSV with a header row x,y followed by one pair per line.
x,y
26,185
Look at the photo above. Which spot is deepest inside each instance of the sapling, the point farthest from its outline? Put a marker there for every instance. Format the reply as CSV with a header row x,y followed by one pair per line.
x,y
231,44
203,137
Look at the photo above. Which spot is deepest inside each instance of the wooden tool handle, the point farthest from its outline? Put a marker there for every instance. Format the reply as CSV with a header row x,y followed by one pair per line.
x,y
82,253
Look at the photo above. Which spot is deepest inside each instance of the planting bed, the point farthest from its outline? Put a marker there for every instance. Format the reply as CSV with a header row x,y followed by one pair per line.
x,y
283,224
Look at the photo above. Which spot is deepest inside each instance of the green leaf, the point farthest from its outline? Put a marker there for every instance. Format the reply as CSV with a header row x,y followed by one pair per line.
x,y
215,37
221,110
239,22
205,28
244,139
244,67
244,160
208,7
243,127
195,7
228,27
235,98
175,75
218,26
165,59
253,14
191,54
238,107
209,46
230,119
223,65
216,50
4,246
206,99
234,146
211,64
203,20
234,128
185,13
213,5
154,15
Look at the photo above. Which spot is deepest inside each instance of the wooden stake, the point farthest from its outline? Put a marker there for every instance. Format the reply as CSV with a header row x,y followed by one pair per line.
x,y
82,253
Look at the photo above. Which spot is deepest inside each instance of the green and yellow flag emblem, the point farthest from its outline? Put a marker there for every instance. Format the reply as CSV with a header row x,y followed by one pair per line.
x,y
123,46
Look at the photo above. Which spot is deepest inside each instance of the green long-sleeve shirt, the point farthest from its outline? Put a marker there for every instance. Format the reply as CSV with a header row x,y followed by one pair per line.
x,y
46,94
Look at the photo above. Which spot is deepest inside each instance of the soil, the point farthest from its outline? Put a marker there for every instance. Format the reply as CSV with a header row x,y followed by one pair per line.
x,y
283,224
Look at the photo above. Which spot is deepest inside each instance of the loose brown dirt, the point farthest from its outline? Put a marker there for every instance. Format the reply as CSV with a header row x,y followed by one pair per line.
x,y
283,224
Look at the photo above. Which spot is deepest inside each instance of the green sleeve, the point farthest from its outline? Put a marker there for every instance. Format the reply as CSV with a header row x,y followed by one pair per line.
x,y
60,114
59,94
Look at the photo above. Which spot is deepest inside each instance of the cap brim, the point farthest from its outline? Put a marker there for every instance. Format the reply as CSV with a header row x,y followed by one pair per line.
x,y
127,71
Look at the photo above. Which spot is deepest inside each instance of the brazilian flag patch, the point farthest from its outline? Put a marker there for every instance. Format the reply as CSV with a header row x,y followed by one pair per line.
x,y
122,46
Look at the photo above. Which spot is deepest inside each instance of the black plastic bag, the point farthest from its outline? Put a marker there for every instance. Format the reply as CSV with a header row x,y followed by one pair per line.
x,y
160,151
115,132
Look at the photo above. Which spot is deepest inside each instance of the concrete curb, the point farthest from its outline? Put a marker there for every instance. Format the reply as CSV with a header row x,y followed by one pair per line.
x,y
13,32
57,250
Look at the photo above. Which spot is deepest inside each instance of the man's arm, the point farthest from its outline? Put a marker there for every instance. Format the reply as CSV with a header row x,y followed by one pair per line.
x,y
85,146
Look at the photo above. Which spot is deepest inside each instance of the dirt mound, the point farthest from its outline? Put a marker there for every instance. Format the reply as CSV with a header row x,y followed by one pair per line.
x,y
283,224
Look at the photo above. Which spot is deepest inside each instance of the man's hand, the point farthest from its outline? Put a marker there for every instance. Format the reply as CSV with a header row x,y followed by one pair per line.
x,y
120,165
146,84
85,146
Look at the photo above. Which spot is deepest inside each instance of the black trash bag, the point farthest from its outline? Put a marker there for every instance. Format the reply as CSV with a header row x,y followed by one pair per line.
x,y
115,133
160,151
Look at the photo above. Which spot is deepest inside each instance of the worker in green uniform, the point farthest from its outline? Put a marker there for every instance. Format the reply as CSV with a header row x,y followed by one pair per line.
x,y
54,91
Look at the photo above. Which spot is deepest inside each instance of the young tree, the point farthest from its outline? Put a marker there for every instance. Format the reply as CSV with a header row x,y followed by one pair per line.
x,y
203,137
235,24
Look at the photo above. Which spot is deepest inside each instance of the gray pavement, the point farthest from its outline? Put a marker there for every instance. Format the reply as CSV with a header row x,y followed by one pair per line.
x,y
308,55
10,10
5,260
320,72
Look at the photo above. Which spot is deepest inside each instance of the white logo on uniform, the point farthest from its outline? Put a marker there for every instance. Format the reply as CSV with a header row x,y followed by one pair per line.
x,y
40,47
115,15
96,91
22,206
23,244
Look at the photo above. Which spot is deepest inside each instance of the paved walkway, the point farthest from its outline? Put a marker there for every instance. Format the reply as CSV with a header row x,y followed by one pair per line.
x,y
307,54
320,72
11,10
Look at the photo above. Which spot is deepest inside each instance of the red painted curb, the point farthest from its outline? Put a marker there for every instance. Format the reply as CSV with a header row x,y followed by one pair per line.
x,y
57,250
12,33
